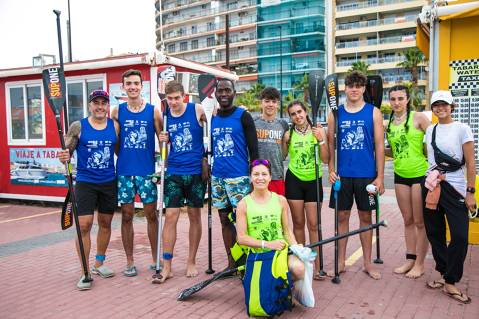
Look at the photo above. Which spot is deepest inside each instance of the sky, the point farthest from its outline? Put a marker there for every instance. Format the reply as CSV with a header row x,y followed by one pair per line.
x,y
28,28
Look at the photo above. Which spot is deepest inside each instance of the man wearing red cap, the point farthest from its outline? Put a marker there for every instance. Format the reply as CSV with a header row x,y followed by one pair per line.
x,y
94,139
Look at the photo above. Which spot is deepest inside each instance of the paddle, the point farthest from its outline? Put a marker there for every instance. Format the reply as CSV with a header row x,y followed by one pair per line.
x,y
332,98
184,294
55,88
166,73
206,89
316,89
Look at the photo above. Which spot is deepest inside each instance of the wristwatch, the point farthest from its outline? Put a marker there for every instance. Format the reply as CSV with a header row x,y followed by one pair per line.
x,y
471,190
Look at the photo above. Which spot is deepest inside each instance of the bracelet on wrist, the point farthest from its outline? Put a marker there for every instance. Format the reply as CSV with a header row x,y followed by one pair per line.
x,y
262,244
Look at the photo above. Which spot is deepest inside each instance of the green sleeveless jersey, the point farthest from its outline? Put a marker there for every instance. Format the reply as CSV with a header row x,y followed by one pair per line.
x,y
264,220
407,149
301,156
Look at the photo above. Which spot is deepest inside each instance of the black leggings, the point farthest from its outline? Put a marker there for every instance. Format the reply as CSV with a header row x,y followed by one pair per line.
x,y
449,258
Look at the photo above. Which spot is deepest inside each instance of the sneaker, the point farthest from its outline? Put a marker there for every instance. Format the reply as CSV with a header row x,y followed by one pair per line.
x,y
82,285
102,271
130,271
153,267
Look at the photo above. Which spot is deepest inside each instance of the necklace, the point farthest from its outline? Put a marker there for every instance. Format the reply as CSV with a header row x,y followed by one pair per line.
x,y
399,119
302,130
135,109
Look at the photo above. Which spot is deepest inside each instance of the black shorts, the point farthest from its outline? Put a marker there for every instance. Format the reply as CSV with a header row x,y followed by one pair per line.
x,y
89,196
297,189
407,181
354,188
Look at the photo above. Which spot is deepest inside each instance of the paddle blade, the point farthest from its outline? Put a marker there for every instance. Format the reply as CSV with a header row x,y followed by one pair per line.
x,y
374,90
332,92
67,216
316,87
54,87
206,90
165,74
194,289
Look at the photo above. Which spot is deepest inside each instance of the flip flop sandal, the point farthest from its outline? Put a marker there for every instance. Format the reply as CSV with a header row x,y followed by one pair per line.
x,y
318,277
435,284
458,296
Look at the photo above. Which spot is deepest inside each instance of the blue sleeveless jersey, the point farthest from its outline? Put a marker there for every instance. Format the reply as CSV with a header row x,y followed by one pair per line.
x,y
356,143
230,153
186,142
95,150
136,156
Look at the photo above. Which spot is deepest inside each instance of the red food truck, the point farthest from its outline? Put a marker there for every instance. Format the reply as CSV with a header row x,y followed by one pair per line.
x,y
29,140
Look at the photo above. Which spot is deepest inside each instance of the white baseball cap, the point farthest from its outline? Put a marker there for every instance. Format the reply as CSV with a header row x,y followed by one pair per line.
x,y
442,96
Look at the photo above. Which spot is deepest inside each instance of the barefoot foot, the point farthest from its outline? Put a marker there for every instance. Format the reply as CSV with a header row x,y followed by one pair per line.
x,y
191,270
407,266
374,274
416,272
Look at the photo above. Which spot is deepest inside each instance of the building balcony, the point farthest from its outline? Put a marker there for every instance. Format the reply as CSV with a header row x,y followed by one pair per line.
x,y
386,24
388,62
392,80
389,43
288,14
179,19
186,34
371,6
236,57
169,6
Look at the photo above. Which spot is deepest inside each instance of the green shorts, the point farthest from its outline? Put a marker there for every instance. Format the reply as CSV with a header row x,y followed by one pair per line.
x,y
181,188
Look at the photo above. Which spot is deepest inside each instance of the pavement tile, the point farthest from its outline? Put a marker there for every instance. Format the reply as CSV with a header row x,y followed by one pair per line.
x,y
41,269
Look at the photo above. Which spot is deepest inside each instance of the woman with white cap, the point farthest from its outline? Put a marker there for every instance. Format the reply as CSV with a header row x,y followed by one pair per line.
x,y
447,191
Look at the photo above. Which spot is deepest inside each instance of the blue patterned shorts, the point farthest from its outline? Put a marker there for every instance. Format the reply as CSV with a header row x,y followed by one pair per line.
x,y
128,186
229,191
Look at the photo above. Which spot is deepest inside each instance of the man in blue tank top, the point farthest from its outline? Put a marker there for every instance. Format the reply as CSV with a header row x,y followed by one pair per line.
x,y
234,144
138,121
360,162
94,139
185,175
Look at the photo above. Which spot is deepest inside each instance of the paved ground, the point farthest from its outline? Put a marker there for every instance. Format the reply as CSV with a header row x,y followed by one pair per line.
x,y
39,270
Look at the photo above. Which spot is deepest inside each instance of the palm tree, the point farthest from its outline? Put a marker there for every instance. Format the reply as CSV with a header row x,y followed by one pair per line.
x,y
303,86
413,57
256,89
360,66
415,95
248,100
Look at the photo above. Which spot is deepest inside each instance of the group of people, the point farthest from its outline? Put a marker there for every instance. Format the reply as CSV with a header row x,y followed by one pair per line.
x,y
248,176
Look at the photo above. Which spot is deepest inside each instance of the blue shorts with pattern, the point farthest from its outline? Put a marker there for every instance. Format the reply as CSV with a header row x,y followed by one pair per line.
x,y
129,186
229,191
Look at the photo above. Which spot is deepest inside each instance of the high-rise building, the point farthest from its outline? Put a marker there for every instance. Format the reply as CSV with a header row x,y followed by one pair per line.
x,y
269,39
376,32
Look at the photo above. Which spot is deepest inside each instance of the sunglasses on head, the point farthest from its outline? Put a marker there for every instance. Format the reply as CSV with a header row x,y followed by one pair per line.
x,y
257,162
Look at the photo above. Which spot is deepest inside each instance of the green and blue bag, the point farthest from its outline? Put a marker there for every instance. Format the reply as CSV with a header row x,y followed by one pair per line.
x,y
267,283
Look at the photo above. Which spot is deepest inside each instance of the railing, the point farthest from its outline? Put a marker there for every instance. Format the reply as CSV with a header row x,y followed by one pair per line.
x,y
181,32
394,39
205,43
289,13
367,4
267,31
170,18
387,59
372,23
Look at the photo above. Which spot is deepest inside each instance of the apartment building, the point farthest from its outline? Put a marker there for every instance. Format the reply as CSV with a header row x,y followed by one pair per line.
x,y
290,41
270,40
195,30
376,32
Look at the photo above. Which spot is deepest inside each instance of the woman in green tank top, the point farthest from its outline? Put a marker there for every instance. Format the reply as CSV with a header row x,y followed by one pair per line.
x,y
300,181
405,134
262,218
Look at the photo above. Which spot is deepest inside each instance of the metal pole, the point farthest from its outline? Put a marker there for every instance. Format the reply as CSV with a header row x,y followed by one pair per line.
x,y
280,72
69,32
162,45
227,40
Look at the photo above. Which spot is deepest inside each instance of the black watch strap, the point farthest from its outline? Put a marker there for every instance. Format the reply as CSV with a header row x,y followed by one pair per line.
x,y
471,190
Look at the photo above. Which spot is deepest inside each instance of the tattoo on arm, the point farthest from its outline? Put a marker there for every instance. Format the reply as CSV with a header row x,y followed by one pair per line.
x,y
73,136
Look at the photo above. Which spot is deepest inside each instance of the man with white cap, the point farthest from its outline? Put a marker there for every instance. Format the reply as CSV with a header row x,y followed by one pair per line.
x,y
94,139
449,192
